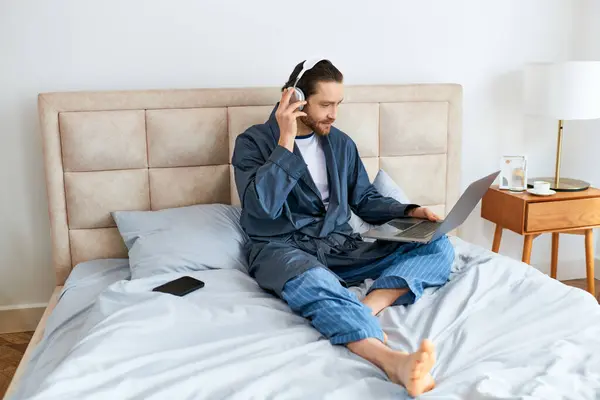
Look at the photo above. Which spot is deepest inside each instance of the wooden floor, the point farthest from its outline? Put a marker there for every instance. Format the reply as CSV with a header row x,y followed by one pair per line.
x,y
13,345
580,283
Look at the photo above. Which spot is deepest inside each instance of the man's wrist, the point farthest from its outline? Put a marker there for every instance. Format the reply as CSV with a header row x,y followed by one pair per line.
x,y
410,209
287,143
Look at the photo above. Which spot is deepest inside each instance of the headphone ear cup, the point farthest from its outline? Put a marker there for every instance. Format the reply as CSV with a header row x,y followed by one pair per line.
x,y
299,96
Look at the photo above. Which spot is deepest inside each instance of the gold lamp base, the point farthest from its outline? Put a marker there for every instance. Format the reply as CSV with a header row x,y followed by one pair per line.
x,y
558,183
564,184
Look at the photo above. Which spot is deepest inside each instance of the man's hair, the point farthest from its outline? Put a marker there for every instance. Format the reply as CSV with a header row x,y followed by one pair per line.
x,y
323,71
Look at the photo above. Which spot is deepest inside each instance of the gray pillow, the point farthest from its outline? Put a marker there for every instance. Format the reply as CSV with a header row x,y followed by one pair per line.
x,y
386,186
184,239
99,269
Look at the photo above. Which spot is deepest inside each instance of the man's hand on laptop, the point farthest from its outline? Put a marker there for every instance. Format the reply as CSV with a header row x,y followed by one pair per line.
x,y
423,212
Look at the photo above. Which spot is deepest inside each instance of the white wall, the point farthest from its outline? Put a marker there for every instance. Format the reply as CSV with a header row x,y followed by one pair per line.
x,y
112,44
582,141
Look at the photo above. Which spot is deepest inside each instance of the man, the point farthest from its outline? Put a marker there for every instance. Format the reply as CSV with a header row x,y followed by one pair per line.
x,y
298,178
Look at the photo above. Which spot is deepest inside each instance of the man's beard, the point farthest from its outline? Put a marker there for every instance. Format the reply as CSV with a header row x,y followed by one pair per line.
x,y
321,128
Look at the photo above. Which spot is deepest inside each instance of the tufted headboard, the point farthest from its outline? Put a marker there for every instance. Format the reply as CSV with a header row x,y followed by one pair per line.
x,y
149,150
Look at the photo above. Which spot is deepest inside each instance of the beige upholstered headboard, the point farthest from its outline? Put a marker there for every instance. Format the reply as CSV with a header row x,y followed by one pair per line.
x,y
148,150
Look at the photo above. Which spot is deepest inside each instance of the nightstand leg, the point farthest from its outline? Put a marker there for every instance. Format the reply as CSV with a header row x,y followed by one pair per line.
x,y
554,263
589,260
497,239
527,248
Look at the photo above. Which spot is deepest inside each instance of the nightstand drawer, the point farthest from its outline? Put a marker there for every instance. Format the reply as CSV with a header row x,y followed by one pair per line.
x,y
562,214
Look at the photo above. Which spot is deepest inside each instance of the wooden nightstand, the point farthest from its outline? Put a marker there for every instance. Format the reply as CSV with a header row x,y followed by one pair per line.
x,y
530,216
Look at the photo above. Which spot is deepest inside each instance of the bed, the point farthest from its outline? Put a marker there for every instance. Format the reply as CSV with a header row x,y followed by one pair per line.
x,y
502,329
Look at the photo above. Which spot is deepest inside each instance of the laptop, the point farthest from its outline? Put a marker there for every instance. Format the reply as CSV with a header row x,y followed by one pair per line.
x,y
424,231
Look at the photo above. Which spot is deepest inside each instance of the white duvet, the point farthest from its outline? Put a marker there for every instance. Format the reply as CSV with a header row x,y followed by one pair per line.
x,y
502,330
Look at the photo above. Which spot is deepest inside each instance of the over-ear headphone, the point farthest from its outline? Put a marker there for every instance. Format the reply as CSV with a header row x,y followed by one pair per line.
x,y
298,93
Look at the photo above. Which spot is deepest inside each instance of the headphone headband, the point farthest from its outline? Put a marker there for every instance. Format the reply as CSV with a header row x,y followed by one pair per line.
x,y
306,65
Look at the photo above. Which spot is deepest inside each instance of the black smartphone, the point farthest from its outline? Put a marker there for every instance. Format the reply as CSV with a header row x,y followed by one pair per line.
x,y
180,286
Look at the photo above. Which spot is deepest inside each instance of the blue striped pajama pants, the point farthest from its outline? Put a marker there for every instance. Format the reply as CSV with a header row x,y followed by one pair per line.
x,y
336,312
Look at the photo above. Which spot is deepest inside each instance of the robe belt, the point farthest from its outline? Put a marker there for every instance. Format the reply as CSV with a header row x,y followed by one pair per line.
x,y
320,246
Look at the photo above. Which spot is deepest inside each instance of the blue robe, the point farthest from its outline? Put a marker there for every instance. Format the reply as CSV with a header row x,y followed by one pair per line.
x,y
290,229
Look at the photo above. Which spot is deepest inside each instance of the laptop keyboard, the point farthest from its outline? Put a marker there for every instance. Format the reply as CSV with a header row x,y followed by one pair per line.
x,y
402,225
422,230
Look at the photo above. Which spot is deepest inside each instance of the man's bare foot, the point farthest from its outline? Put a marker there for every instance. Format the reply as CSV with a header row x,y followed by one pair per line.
x,y
413,370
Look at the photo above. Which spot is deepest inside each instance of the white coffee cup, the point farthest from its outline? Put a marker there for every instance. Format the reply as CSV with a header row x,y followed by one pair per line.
x,y
541,186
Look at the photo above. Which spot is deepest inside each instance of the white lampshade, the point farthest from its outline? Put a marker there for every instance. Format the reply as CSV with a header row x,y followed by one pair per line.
x,y
567,91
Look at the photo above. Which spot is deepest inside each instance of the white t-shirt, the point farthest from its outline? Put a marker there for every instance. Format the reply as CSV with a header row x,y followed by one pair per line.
x,y
312,152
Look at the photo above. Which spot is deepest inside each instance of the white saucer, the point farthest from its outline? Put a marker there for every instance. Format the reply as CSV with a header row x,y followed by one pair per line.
x,y
535,192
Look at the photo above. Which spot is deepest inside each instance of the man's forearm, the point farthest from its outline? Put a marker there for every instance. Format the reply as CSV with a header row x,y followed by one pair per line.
x,y
377,209
265,189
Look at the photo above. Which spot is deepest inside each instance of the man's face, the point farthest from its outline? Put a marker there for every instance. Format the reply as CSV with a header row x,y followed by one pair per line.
x,y
322,107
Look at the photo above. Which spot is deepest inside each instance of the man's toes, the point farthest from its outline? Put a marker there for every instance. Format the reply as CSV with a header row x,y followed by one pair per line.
x,y
416,375
425,357
429,384
420,359
428,351
427,346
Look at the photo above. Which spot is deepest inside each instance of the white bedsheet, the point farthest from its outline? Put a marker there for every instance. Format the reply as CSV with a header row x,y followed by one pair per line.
x,y
502,329
80,291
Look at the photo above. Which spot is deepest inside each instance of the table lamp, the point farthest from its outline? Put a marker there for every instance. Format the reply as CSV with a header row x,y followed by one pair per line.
x,y
563,91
